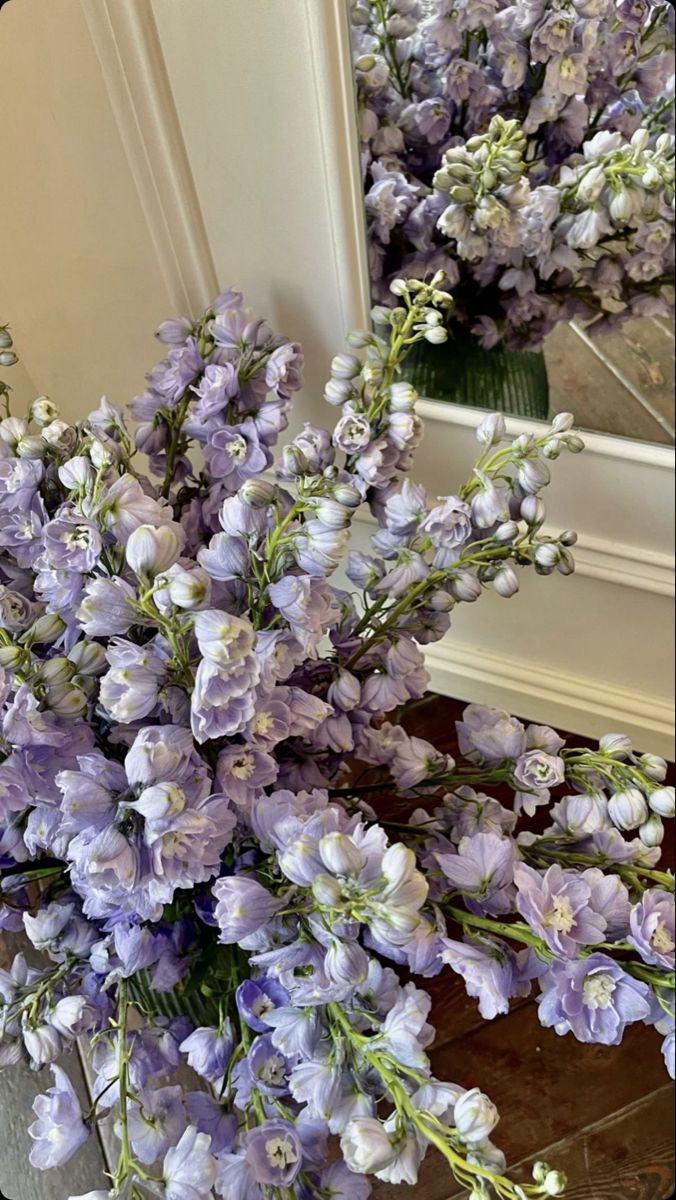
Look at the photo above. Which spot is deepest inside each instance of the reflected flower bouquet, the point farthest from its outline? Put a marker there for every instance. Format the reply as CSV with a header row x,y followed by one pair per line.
x,y
527,149
200,870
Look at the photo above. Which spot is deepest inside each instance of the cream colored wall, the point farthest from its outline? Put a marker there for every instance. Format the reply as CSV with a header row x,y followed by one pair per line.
x,y
79,278
262,97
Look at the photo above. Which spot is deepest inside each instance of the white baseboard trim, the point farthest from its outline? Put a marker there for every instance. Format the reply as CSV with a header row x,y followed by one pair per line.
x,y
541,694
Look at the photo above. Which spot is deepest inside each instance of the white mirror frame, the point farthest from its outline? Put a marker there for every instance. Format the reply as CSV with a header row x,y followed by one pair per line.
x,y
591,653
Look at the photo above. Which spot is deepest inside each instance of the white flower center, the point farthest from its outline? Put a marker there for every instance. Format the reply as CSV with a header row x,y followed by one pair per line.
x,y
263,723
272,1071
281,1152
561,917
237,449
243,768
662,940
598,991
261,1006
79,539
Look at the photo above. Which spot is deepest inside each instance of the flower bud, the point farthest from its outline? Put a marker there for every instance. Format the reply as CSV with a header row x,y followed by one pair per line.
x,y
341,855
345,691
555,1183
663,802
403,397
327,891
347,495
654,767
616,745
43,1044
76,473
547,555
651,832
628,809
8,358
562,422
11,657
436,335
566,564
465,587
506,582
347,963
189,588
506,532
294,461
332,514
345,366
257,493
475,1116
88,658
337,392
491,430
56,670
151,550
399,287
568,538
100,454
68,700
533,510
574,443
32,446
5,338
360,338
47,629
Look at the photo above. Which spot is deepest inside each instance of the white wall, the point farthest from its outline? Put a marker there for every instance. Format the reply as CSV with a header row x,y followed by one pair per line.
x,y
79,279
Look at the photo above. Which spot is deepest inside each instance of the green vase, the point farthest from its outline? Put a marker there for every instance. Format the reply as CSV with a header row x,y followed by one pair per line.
x,y
462,372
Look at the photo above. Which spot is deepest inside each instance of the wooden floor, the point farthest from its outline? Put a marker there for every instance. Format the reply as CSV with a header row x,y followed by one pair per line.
x,y
604,1115
620,383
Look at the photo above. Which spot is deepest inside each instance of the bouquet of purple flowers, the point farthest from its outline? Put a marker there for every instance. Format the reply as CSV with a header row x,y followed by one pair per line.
x,y
526,149
201,875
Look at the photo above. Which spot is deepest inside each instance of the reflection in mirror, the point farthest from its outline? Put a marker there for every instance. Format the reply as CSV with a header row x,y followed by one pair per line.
x,y
527,150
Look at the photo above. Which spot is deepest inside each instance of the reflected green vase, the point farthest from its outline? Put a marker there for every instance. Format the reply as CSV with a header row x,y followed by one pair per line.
x,y
462,372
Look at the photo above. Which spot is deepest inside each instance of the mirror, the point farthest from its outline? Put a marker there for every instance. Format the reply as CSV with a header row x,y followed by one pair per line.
x,y
527,151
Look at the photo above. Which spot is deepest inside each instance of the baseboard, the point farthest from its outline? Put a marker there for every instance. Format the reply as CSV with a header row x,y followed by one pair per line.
x,y
548,696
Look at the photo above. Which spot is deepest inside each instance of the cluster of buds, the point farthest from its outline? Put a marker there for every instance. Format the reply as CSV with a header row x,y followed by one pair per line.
x,y
616,184
485,181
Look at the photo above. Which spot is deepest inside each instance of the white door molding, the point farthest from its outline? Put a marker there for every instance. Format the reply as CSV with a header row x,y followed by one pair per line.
x,y
128,48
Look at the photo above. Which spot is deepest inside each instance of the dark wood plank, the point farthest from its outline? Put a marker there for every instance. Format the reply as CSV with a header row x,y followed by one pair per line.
x,y
629,1156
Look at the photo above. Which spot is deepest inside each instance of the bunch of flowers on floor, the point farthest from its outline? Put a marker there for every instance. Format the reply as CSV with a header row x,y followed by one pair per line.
x,y
527,149
186,839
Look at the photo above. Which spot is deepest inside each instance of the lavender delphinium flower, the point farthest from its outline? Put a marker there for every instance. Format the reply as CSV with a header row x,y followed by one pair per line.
x,y
196,721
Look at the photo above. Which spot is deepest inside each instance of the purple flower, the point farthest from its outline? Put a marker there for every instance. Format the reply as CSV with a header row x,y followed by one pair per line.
x,y
257,998
489,736
158,1124
483,865
652,928
274,1153
209,1050
189,1171
557,905
71,543
492,972
234,454
243,905
59,1129
592,998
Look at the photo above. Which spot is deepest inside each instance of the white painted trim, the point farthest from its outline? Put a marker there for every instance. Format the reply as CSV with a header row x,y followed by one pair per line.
x,y
333,82
125,38
601,444
536,692
613,562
